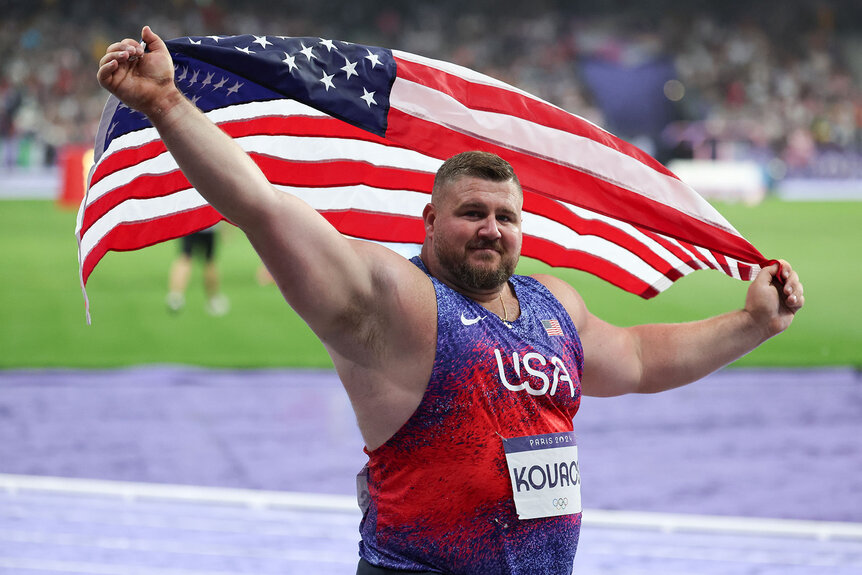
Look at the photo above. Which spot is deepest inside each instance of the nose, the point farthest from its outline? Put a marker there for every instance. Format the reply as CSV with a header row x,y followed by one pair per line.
x,y
489,229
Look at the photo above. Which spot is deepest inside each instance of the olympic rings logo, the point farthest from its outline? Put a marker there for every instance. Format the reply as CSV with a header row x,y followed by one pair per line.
x,y
560,503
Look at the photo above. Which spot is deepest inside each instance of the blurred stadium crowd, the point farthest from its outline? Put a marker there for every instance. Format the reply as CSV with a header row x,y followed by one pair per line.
x,y
778,83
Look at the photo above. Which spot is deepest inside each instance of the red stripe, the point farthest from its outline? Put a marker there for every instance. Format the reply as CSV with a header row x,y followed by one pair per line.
x,y
297,126
488,98
377,227
342,173
314,126
540,205
570,185
278,172
557,256
142,187
698,255
136,235
746,273
387,228
673,248
722,261
122,159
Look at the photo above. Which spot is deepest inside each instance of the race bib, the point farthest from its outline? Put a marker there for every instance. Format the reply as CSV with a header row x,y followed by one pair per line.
x,y
544,472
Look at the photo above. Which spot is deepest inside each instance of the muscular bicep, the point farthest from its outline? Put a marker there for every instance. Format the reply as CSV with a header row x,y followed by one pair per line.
x,y
354,295
612,359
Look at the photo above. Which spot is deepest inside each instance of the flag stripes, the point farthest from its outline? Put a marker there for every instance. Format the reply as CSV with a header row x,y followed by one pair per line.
x,y
591,201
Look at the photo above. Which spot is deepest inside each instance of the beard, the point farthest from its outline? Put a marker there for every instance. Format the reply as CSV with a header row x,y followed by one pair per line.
x,y
476,278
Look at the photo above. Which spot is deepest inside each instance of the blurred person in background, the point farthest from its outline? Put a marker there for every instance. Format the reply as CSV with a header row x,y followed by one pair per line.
x,y
204,243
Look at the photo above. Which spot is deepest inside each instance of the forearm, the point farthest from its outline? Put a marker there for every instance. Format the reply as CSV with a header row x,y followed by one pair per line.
x,y
672,355
214,164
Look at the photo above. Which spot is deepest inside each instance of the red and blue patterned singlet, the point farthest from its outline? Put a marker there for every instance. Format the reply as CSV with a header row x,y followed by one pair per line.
x,y
439,495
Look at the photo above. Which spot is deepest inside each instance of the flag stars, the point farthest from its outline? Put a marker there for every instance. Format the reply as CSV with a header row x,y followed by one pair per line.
x,y
368,97
327,81
328,43
262,41
183,75
216,38
245,50
208,80
290,62
220,84
194,77
350,68
306,50
198,43
373,58
235,88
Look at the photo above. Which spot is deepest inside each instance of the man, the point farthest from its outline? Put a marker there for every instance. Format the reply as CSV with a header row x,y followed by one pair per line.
x,y
203,242
464,379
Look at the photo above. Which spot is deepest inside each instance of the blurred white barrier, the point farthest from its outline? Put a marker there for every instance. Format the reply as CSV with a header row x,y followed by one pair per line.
x,y
729,181
663,522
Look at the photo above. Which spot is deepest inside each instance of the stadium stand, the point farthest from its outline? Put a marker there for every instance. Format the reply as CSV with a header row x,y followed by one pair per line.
x,y
724,82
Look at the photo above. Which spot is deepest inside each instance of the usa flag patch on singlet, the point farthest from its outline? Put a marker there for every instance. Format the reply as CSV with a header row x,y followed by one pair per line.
x,y
552,326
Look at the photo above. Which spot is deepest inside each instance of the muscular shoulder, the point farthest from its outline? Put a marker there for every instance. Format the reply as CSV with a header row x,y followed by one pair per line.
x,y
401,306
567,296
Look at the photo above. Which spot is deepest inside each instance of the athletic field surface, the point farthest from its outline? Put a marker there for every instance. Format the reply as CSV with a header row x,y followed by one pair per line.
x,y
177,470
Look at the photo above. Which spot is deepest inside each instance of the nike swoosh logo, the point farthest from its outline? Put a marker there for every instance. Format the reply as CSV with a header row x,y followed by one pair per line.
x,y
471,320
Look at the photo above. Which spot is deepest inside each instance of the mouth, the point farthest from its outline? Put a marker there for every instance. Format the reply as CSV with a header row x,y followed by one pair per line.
x,y
485,247
485,253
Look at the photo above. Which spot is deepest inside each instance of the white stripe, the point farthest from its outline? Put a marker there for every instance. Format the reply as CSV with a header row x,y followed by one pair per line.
x,y
132,211
314,149
359,197
541,227
362,197
162,164
251,110
248,111
584,154
633,232
403,249
695,259
465,73
733,265
708,255
478,78
104,125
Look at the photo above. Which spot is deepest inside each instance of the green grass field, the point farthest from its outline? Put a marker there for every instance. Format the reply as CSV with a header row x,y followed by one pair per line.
x,y
42,322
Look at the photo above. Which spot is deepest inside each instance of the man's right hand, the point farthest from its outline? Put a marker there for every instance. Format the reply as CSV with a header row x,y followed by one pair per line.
x,y
143,80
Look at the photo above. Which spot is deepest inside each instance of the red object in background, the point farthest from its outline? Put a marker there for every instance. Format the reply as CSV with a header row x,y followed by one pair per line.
x,y
75,162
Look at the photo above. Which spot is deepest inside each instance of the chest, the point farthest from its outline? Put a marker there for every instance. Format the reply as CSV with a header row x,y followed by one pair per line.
x,y
534,357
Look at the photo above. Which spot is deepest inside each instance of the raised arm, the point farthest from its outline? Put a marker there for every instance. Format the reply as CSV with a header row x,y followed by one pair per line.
x,y
658,357
338,286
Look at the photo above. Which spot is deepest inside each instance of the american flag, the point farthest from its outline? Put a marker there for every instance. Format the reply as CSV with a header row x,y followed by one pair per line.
x,y
359,131
552,326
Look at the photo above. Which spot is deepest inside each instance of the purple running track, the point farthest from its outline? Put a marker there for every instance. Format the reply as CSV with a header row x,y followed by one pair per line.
x,y
760,443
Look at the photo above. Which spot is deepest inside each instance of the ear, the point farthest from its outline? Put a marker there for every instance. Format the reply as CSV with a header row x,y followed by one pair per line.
x,y
429,215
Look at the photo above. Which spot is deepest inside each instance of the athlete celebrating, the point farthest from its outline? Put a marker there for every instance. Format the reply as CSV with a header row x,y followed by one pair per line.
x,y
464,377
